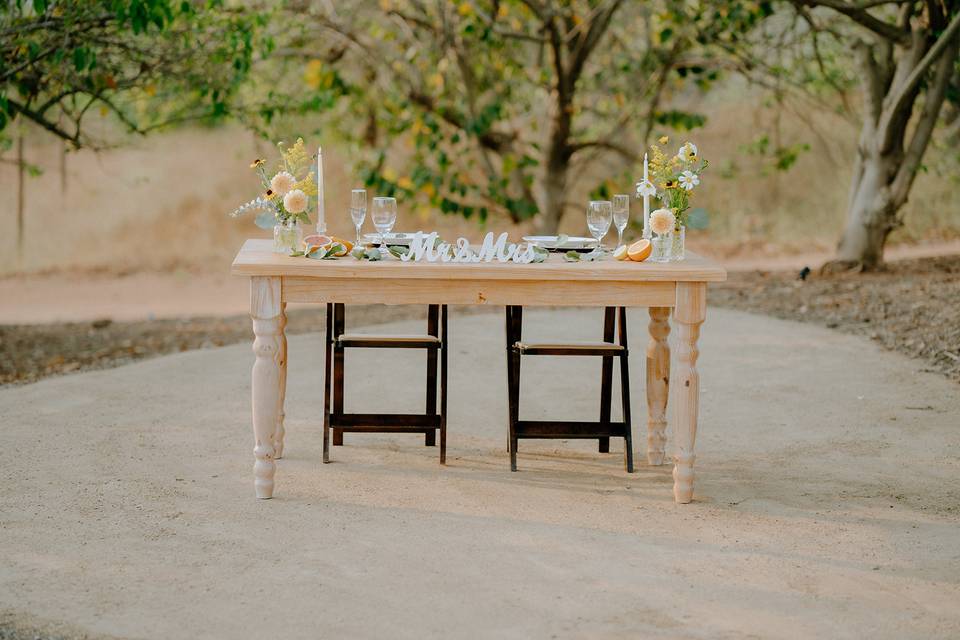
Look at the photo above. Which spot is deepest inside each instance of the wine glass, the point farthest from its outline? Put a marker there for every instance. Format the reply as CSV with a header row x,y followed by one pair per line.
x,y
384,214
599,217
358,209
621,215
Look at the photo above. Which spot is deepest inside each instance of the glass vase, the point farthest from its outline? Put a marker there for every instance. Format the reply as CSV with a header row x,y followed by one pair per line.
x,y
678,244
287,237
662,243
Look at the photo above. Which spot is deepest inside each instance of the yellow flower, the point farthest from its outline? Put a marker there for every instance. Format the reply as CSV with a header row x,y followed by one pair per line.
x,y
257,163
670,184
465,9
405,183
663,140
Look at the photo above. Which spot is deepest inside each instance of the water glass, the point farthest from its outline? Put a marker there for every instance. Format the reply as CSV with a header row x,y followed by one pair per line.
x,y
358,209
621,215
384,214
599,217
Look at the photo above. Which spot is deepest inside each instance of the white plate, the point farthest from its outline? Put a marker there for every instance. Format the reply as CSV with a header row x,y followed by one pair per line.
x,y
393,239
572,242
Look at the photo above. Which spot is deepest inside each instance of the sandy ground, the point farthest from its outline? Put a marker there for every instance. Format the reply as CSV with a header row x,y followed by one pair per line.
x,y
827,502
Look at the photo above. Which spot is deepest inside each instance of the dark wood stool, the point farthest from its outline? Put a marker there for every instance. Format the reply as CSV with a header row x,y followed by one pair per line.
x,y
428,423
608,350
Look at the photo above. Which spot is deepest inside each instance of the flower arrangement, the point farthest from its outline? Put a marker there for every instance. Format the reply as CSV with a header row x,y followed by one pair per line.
x,y
288,194
676,177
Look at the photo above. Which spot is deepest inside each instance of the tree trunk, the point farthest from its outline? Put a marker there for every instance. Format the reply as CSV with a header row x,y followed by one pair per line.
x,y
887,157
871,214
554,196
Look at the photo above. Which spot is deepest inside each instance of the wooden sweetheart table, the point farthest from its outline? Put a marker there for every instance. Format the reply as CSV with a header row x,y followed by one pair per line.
x,y
277,279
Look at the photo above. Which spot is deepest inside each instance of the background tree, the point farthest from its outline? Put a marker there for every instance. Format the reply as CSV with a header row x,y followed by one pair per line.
x,y
147,62
507,103
909,65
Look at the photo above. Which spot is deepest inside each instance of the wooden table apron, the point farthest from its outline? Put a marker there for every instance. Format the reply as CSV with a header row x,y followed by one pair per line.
x,y
681,286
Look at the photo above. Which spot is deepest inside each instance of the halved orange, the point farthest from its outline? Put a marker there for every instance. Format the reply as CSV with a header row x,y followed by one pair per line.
x,y
640,250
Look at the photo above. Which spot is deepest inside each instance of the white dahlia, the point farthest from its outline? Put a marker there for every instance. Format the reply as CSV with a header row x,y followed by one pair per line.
x,y
282,183
662,221
295,201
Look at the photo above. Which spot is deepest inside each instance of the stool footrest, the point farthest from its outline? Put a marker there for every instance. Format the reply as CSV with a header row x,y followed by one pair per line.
x,y
384,422
569,429
389,342
570,349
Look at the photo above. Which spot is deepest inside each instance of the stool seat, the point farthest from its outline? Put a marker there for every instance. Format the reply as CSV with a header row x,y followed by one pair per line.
x,y
389,342
569,349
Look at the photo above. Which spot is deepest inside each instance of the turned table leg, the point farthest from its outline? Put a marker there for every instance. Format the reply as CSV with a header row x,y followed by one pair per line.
x,y
658,383
265,310
282,363
690,313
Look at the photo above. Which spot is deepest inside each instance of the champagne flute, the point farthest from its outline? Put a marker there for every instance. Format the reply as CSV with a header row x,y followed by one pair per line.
x,y
384,214
621,215
599,217
358,209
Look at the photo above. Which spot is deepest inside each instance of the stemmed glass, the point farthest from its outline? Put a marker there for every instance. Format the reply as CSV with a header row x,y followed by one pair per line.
x,y
621,215
358,209
599,217
384,214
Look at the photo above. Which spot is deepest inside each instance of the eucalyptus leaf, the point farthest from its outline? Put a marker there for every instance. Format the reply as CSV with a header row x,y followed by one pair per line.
x,y
572,256
397,251
265,220
359,253
373,254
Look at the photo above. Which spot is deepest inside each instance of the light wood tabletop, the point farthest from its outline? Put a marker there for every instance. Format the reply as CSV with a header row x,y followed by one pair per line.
x,y
673,288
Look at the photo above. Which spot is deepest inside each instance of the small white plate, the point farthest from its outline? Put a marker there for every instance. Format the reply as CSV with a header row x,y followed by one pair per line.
x,y
572,243
392,239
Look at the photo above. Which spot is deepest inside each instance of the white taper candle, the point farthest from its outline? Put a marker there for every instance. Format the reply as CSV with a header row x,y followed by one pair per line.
x,y
321,214
646,201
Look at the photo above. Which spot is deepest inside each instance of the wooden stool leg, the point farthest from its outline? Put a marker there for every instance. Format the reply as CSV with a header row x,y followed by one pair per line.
x,y
606,377
516,329
430,438
658,384
625,393
508,324
327,384
338,366
444,346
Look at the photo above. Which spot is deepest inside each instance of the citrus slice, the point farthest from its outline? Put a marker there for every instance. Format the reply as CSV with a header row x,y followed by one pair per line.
x,y
316,240
640,250
621,252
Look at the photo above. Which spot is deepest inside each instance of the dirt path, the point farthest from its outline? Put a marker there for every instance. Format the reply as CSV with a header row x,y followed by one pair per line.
x,y
826,502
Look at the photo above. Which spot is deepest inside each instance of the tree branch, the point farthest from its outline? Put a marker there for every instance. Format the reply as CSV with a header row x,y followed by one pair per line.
x,y
859,14
945,40
928,119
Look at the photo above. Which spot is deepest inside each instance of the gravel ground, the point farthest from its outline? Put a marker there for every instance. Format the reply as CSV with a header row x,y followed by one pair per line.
x,y
911,307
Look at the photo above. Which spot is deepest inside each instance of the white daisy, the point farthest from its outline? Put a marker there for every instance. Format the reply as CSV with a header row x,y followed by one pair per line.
x,y
282,183
688,180
646,188
688,152
295,201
